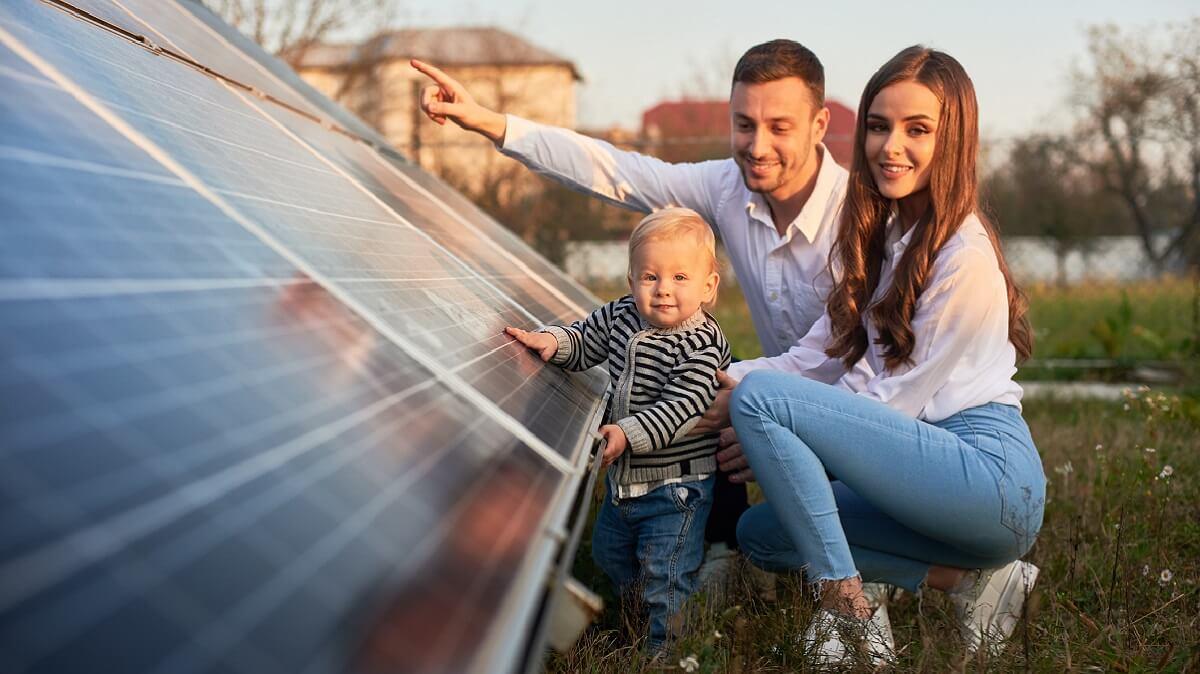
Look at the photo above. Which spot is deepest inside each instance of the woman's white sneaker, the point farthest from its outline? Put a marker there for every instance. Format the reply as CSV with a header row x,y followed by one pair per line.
x,y
827,637
878,641
823,639
988,610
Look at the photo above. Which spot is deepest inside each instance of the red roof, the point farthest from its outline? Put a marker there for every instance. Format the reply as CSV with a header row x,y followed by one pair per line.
x,y
683,119
703,119
839,137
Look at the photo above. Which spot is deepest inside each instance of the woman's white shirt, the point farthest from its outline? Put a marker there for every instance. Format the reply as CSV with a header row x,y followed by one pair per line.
x,y
962,356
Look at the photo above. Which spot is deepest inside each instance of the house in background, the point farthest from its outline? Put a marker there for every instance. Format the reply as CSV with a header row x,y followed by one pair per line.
x,y
501,70
689,130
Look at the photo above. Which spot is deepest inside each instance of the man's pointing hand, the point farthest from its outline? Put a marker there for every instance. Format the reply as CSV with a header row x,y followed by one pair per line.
x,y
447,99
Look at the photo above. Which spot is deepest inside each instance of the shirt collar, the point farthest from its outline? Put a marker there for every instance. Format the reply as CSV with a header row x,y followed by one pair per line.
x,y
811,216
897,239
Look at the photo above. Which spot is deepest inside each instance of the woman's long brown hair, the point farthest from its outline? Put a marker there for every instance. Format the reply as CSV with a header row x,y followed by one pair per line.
x,y
953,196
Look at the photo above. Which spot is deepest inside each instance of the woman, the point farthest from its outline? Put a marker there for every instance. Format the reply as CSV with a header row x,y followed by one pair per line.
x,y
927,471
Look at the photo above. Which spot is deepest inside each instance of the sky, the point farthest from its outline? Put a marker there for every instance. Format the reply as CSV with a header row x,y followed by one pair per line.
x,y
633,54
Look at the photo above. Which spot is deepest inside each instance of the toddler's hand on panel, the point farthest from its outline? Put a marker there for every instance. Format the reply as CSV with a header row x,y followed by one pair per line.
x,y
543,343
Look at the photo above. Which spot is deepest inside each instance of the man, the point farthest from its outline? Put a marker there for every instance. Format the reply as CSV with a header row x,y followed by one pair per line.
x,y
774,205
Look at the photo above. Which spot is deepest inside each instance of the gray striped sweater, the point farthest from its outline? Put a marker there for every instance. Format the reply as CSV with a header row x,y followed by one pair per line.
x,y
664,380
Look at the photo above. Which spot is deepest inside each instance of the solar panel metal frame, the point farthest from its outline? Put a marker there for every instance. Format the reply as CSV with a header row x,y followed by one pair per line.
x,y
513,643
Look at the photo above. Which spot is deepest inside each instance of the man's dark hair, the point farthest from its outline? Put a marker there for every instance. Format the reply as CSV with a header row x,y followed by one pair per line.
x,y
777,59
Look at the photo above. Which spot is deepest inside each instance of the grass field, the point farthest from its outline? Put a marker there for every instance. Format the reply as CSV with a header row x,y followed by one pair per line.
x,y
1119,550
1149,320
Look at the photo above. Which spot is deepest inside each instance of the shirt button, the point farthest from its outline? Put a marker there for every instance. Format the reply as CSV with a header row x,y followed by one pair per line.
x,y
774,296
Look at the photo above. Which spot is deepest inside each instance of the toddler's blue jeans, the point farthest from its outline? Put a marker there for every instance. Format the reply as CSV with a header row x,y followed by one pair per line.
x,y
654,544
854,487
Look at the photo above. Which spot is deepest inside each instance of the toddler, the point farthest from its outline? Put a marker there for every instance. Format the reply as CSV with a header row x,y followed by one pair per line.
x,y
663,353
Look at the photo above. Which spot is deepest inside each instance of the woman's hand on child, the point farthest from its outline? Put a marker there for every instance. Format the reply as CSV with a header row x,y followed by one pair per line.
x,y
716,417
615,442
731,459
543,343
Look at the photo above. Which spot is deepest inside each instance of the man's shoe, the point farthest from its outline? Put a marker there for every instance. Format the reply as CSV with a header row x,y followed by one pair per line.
x,y
988,610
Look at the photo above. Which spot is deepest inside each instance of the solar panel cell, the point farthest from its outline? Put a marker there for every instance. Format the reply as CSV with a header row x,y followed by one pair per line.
x,y
499,234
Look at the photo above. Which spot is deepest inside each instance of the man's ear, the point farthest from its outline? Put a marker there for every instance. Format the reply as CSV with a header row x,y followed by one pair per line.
x,y
820,125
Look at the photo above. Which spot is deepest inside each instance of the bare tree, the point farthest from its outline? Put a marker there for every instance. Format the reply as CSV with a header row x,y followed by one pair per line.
x,y
711,77
1044,190
1141,105
290,28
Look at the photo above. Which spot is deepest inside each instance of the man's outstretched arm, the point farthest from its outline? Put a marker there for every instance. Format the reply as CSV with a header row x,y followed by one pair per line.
x,y
628,179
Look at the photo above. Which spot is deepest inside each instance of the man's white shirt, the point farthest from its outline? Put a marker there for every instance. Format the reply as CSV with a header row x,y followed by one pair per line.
x,y
785,279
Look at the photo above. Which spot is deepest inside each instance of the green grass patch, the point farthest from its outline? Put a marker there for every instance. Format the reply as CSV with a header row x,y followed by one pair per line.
x,y
1147,320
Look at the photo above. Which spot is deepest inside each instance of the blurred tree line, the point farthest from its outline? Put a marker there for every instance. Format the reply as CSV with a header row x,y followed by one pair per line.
x,y
1130,164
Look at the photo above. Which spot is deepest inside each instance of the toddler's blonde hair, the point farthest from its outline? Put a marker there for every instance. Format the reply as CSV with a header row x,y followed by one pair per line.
x,y
673,223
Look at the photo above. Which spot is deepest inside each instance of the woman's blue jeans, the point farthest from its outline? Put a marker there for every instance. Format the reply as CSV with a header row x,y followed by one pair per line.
x,y
854,487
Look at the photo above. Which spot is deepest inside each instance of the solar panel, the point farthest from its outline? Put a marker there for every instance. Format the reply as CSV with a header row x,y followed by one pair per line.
x,y
257,411
282,73
171,27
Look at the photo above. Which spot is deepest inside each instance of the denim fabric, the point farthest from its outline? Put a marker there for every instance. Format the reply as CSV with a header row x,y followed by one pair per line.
x,y
653,545
854,487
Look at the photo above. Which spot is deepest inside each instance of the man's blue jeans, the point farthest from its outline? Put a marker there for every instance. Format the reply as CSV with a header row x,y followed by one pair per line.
x,y
854,487
654,544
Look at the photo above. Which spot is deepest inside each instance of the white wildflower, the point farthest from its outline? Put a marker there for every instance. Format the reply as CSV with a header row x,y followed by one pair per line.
x,y
717,634
1099,446
1145,569
689,664
1126,407
1165,577
1167,471
1150,450
1065,469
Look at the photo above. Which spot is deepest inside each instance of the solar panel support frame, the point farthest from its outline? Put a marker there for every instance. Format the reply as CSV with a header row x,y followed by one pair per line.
x,y
569,512
563,572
